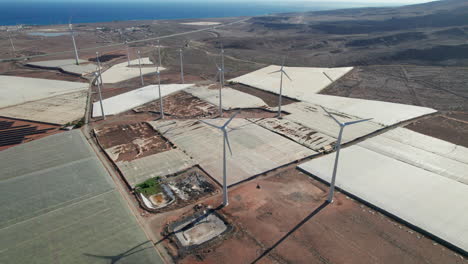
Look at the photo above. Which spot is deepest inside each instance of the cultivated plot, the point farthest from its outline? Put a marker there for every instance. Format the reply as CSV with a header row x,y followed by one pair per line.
x,y
156,165
122,72
301,134
314,117
68,66
255,149
59,109
422,198
303,81
230,98
63,207
382,112
129,100
439,163
18,90
430,144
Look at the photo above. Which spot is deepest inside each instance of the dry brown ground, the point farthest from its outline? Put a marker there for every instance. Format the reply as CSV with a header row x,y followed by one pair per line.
x,y
181,105
135,140
287,221
449,127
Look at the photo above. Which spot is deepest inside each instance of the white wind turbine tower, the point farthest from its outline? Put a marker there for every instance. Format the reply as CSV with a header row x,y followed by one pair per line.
x,y
181,66
220,75
161,105
99,67
338,147
139,65
225,142
280,100
98,75
74,43
159,54
128,53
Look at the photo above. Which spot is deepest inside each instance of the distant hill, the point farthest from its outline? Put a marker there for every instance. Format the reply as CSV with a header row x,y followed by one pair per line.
x,y
434,33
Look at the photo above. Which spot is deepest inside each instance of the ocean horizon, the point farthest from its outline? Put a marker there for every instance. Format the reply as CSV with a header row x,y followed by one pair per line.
x,y
49,13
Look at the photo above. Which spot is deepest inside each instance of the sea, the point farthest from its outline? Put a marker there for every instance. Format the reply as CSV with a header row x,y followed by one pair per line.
x,y
39,12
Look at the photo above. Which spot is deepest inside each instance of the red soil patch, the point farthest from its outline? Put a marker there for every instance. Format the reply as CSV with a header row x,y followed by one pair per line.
x,y
287,221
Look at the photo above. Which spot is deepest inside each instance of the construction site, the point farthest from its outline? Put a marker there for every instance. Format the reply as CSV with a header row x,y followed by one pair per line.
x,y
143,155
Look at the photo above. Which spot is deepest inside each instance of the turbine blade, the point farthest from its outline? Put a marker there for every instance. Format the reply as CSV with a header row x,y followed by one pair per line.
x,y
210,124
226,137
336,120
275,72
287,75
230,119
358,121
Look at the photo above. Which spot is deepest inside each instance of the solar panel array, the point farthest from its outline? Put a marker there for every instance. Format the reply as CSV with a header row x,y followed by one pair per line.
x,y
12,135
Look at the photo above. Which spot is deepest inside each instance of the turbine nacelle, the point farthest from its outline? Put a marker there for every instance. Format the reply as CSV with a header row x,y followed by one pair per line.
x,y
345,123
223,129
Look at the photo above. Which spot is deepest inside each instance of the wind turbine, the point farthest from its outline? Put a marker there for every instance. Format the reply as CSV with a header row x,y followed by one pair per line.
x,y
74,43
219,74
161,105
99,67
159,54
139,65
98,74
225,142
181,65
338,147
280,100
128,53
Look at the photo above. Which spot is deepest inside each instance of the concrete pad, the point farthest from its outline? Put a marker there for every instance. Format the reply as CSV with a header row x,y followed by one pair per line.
x,y
129,100
439,164
382,112
69,66
430,144
299,133
313,116
305,80
231,98
422,198
160,164
254,149
59,109
121,72
199,230
17,90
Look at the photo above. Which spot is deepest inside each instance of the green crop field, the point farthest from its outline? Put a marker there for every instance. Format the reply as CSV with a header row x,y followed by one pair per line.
x,y
62,207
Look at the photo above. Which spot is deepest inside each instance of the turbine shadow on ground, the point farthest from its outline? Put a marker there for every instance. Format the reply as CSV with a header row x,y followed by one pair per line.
x,y
294,229
115,258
